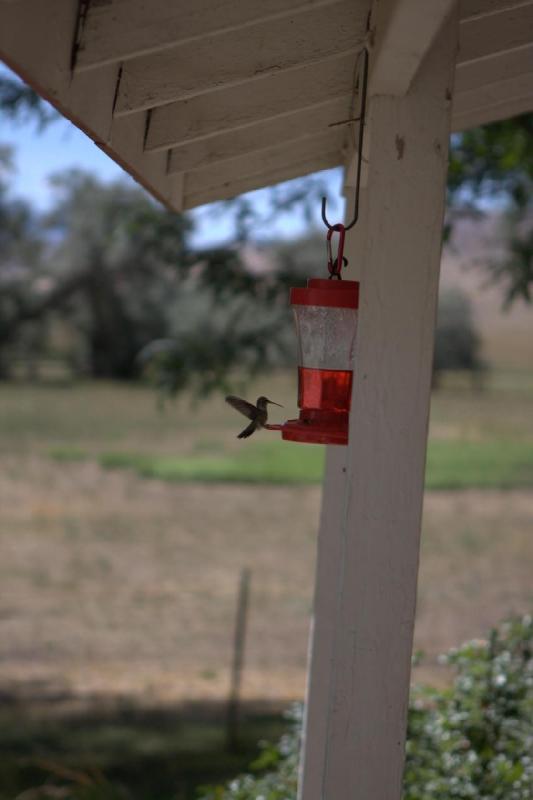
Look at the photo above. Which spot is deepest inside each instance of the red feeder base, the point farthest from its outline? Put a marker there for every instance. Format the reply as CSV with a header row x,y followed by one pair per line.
x,y
317,427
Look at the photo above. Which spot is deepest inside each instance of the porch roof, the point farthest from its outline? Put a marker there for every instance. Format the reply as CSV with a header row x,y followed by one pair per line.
x,y
203,100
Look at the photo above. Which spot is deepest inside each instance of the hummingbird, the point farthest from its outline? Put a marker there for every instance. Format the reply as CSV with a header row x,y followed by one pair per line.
x,y
258,413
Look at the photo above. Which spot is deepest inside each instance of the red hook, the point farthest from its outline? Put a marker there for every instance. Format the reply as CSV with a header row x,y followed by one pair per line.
x,y
335,266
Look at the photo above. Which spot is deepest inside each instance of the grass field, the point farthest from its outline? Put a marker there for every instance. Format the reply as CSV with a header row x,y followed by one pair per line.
x,y
477,438
451,464
118,593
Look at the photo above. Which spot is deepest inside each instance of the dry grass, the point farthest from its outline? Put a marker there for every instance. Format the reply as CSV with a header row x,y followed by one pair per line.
x,y
115,585
475,568
118,593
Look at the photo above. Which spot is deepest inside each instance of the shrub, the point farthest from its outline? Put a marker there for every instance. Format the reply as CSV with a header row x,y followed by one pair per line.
x,y
457,343
474,740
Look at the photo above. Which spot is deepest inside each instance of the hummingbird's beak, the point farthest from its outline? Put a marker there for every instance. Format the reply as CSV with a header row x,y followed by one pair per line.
x,y
272,403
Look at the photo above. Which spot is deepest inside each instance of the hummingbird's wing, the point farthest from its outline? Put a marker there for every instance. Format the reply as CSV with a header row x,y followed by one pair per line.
x,y
247,431
243,406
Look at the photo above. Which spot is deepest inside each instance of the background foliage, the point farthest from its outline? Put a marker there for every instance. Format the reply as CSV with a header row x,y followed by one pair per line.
x,y
109,282
492,167
474,740
457,343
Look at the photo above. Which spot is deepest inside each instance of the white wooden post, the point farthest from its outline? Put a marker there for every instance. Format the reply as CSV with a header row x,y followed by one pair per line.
x,y
359,685
322,635
327,565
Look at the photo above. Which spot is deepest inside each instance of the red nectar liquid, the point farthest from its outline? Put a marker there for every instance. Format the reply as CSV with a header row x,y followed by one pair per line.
x,y
325,389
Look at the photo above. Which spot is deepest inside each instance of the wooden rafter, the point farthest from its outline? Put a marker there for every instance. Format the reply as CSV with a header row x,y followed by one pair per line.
x,y
237,107
496,111
293,169
119,30
36,41
499,32
280,130
238,57
492,94
493,68
169,88
278,156
404,31
471,9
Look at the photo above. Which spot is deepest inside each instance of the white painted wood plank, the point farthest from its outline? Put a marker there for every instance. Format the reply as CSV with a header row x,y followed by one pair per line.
x,y
122,29
89,102
492,94
38,38
482,116
176,191
495,33
469,9
238,107
403,32
499,67
263,162
377,571
329,551
322,635
149,169
36,41
240,56
247,184
297,126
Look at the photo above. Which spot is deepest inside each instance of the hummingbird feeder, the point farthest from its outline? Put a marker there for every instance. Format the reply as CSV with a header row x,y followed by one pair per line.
x,y
326,325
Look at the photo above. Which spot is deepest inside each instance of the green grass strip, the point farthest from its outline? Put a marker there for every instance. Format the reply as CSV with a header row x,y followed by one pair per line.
x,y
451,464
271,462
454,464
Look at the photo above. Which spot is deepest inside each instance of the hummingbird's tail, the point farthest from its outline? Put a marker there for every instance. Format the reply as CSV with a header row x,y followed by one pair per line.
x,y
247,431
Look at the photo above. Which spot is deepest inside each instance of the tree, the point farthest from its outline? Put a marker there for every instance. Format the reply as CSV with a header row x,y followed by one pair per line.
x,y
493,165
457,343
120,268
119,251
19,102
20,252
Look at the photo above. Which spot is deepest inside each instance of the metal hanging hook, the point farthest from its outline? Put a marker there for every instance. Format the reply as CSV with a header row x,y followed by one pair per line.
x,y
363,85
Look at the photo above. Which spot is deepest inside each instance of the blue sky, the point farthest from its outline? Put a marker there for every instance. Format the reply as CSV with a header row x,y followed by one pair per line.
x,y
60,146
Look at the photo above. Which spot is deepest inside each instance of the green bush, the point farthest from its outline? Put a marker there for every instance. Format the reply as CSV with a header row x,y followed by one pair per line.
x,y
457,342
474,740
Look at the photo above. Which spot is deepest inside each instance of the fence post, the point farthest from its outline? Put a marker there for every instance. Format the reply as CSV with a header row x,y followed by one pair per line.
x,y
239,640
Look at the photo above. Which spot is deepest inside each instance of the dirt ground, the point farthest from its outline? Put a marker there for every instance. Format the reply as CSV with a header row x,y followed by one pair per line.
x,y
112,585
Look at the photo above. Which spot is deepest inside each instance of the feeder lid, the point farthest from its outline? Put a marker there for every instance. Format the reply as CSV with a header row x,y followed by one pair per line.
x,y
325,292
